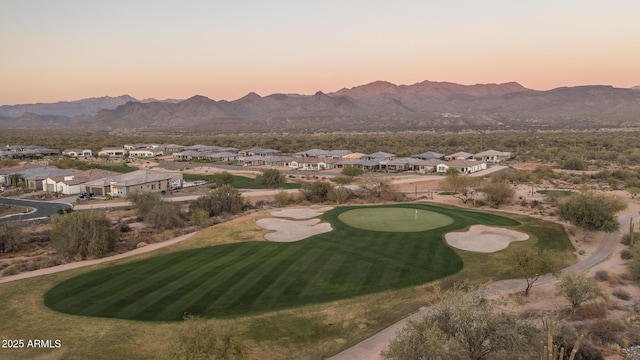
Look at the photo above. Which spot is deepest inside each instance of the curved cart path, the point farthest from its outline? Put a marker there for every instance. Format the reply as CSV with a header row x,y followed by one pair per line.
x,y
79,264
369,349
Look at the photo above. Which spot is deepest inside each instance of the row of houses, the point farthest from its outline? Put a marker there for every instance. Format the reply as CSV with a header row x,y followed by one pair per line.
x,y
27,152
101,183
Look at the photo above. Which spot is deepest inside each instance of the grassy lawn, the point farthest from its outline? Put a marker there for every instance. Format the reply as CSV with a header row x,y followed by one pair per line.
x,y
320,328
394,219
558,193
120,167
240,182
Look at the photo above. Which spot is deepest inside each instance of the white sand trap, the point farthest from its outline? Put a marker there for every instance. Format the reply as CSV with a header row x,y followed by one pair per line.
x,y
301,213
290,230
482,238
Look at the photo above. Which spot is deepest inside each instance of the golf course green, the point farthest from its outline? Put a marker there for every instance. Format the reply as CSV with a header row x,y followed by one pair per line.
x,y
251,277
394,219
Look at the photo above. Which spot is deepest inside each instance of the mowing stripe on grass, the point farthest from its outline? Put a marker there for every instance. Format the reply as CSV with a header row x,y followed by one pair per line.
x,y
235,279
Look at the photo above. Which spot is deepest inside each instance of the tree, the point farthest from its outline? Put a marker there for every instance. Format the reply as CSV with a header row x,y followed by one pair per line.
x,y
592,212
270,178
144,202
224,178
377,187
498,193
316,191
578,289
154,210
10,236
197,339
462,187
339,194
633,191
574,163
342,180
351,171
223,200
165,215
530,264
83,234
465,324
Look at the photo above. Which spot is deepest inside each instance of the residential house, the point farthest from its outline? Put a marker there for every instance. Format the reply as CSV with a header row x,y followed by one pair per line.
x,y
74,183
426,166
313,153
113,152
75,153
145,153
257,151
224,156
459,155
34,181
14,175
380,155
428,155
492,156
119,186
463,166
349,163
398,164
312,164
171,148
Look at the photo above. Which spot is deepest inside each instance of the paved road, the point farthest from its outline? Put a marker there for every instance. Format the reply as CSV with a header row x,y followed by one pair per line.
x,y
43,209
369,349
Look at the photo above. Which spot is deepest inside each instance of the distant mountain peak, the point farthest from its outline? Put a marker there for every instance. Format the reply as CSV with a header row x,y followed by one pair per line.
x,y
636,87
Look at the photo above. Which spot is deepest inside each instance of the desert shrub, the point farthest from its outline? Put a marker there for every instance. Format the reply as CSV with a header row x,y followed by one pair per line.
x,y
567,337
340,195
316,191
283,198
10,236
198,339
165,215
270,178
621,294
144,202
83,234
601,275
223,200
625,254
199,217
605,331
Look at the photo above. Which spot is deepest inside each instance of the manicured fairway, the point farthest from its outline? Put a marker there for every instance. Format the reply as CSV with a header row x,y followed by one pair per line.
x,y
394,219
241,278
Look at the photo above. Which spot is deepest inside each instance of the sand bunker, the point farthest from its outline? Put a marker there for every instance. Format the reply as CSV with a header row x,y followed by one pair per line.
x,y
482,238
301,213
290,230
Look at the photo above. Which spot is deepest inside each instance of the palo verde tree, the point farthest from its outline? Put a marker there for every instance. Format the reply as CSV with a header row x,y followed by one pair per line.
x,y
465,324
351,171
530,264
578,288
498,193
461,186
224,178
377,187
82,234
270,178
220,201
592,212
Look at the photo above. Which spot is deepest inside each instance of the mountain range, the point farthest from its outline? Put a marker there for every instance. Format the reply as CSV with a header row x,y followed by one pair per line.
x,y
378,106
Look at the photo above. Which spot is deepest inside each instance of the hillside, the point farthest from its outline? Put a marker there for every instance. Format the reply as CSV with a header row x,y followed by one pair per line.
x,y
378,106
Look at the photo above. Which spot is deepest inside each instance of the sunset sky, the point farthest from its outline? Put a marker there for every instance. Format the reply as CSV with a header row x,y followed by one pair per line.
x,y
69,50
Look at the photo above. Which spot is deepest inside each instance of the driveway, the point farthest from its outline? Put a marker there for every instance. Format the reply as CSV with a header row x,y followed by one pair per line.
x,y
43,209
